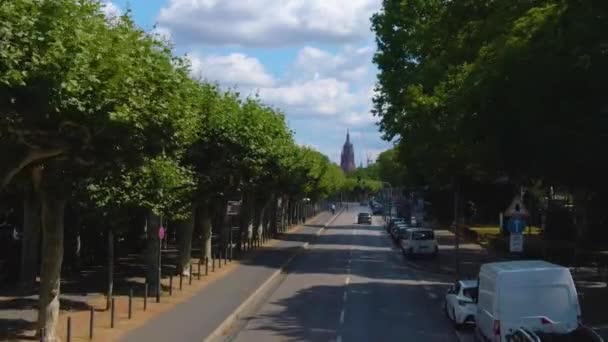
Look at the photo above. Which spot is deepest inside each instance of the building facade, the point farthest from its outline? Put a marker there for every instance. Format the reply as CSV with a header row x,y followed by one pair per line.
x,y
347,158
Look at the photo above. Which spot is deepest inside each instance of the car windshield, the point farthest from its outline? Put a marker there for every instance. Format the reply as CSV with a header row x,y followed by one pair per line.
x,y
423,235
471,293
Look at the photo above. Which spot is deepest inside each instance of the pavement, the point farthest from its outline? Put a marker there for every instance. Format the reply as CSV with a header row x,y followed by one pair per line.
x,y
349,285
200,316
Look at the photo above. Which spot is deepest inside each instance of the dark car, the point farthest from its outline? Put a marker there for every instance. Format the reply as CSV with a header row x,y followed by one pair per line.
x,y
392,222
378,209
398,231
364,218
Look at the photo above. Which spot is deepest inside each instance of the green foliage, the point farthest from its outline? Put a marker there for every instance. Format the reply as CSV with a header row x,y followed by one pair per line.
x,y
482,88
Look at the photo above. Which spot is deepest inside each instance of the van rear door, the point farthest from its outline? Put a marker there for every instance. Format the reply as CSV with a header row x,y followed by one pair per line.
x,y
541,307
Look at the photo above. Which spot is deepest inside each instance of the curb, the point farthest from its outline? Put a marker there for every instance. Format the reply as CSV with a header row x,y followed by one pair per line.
x,y
217,333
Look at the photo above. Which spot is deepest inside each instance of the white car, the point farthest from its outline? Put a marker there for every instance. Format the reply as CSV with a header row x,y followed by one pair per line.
x,y
460,302
419,241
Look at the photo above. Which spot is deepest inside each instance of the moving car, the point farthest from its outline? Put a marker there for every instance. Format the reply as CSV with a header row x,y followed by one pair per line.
x,y
419,241
377,209
364,218
460,302
532,294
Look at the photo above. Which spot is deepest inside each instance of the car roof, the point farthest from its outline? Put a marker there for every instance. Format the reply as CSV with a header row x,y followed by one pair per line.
x,y
520,265
365,214
468,283
421,230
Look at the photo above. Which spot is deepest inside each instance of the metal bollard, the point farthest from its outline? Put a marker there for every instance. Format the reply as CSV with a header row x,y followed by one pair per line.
x,y
158,293
181,279
69,333
91,322
212,262
206,266
145,296
130,303
190,275
112,314
199,269
171,285
219,259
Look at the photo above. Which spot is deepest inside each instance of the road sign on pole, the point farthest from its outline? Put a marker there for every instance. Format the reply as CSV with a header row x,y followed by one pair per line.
x,y
233,208
516,243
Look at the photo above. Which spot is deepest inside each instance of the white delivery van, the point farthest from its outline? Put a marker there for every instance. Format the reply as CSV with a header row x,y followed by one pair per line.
x,y
534,294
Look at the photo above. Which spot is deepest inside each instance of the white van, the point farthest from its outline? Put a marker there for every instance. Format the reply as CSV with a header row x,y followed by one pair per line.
x,y
534,294
419,241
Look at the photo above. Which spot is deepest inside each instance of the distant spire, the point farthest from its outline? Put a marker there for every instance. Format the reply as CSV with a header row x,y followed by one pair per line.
x,y
347,136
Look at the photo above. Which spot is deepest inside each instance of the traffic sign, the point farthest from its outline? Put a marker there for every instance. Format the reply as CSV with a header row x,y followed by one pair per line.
x,y
516,225
516,243
233,208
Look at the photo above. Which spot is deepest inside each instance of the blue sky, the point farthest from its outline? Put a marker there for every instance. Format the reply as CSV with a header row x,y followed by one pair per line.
x,y
310,58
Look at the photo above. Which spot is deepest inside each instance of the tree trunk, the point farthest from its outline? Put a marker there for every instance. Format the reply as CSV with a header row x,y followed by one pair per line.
x,y
185,229
110,241
53,210
203,220
153,254
30,246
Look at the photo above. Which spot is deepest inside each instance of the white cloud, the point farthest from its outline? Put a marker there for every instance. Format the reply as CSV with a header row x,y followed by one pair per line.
x,y
349,64
267,22
235,69
319,97
110,9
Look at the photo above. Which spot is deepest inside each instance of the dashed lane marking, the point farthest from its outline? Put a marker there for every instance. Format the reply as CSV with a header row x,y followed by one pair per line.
x,y
342,316
432,295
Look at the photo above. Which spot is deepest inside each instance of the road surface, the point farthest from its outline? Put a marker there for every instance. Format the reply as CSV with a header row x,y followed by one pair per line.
x,y
349,285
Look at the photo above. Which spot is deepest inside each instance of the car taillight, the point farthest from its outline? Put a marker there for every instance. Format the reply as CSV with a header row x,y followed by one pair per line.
x,y
496,328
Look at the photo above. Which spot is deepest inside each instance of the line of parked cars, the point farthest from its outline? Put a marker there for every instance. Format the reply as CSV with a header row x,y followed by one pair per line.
x,y
411,238
530,300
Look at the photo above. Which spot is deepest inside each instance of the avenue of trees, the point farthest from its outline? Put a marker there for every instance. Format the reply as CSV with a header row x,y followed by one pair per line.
x,y
104,132
493,92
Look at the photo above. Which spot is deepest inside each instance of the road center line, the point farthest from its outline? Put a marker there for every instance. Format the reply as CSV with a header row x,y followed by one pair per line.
x,y
342,316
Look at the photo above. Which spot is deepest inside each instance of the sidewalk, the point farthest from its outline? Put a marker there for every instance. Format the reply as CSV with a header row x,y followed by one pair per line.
x,y
592,287
203,313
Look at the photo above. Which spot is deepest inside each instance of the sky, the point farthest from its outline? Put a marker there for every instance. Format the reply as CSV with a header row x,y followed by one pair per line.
x,y
312,59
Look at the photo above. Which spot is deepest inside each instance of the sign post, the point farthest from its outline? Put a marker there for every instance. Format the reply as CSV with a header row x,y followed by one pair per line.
x,y
516,224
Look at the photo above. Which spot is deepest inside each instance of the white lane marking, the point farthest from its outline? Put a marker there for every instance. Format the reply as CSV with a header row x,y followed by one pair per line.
x,y
427,288
339,339
342,316
432,295
345,296
347,281
349,261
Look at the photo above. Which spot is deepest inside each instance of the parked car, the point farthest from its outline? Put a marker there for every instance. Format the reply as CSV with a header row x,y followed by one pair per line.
x,y
364,218
460,302
398,230
419,241
536,295
392,222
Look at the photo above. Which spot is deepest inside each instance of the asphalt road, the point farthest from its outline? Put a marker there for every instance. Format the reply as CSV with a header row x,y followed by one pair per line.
x,y
350,285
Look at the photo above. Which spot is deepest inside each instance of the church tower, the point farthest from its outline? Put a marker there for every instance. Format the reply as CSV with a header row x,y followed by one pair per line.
x,y
347,159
